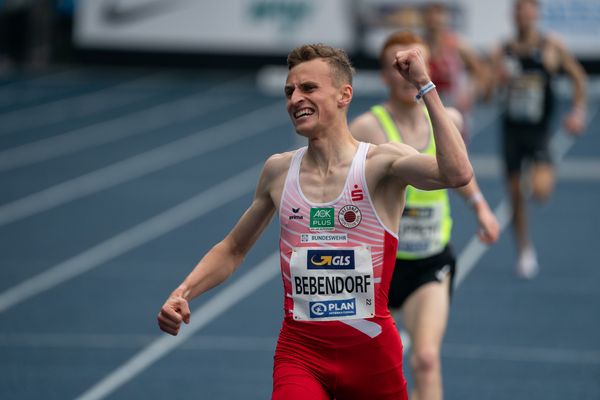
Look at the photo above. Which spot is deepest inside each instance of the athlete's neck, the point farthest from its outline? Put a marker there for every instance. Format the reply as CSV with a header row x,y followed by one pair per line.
x,y
405,113
326,152
411,123
528,36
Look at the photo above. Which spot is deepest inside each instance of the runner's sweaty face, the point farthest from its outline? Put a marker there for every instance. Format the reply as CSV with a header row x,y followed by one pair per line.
x,y
313,97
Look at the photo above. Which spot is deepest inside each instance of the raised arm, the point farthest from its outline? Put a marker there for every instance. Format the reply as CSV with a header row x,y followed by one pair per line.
x,y
223,259
451,166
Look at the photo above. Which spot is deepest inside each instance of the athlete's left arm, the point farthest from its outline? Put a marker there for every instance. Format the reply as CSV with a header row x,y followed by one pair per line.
x,y
574,122
489,229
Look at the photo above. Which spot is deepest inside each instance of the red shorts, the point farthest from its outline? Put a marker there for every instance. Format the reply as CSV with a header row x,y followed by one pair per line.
x,y
330,360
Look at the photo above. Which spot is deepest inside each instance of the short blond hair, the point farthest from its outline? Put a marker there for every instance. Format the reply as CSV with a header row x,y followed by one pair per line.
x,y
341,67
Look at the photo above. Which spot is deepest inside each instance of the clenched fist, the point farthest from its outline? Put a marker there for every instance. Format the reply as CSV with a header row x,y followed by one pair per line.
x,y
175,311
411,65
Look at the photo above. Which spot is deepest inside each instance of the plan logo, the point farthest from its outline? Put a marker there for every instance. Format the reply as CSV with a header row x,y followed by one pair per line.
x,y
332,308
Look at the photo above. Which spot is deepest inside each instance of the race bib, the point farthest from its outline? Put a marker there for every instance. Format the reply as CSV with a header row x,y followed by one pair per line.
x,y
421,230
332,284
526,98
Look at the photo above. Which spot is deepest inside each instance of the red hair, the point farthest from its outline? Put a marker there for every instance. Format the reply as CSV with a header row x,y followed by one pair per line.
x,y
400,38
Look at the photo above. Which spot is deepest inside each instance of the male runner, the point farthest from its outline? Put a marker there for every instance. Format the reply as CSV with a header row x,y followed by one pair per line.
x,y
526,66
425,264
337,204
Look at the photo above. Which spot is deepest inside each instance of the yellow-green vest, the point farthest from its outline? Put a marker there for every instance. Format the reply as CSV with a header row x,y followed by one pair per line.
x,y
413,243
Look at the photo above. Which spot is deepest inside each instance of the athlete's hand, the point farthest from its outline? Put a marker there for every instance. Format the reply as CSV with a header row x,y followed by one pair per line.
x,y
175,311
574,122
489,229
411,65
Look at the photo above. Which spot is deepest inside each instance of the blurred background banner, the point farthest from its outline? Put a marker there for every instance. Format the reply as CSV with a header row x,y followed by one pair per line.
x,y
577,22
482,23
224,26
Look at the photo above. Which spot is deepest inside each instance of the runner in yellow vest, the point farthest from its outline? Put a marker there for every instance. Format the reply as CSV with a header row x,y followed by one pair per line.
x,y
425,265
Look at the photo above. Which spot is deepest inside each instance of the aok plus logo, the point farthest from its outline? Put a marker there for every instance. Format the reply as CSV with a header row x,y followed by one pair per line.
x,y
330,259
322,218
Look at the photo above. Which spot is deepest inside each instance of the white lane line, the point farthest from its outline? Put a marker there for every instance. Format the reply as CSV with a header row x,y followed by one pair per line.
x,y
79,106
267,344
486,123
240,128
39,88
118,128
474,250
173,218
203,315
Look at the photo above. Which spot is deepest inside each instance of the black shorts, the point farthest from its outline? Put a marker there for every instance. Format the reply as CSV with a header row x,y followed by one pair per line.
x,y
409,275
521,143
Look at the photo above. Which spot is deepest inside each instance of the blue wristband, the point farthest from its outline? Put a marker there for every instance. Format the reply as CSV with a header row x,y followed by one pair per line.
x,y
424,90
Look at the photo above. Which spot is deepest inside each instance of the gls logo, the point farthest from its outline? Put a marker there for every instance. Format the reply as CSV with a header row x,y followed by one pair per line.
x,y
330,259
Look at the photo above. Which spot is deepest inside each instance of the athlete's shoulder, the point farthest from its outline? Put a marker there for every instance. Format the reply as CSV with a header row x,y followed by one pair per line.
x,y
366,128
278,162
554,45
365,119
553,40
362,122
